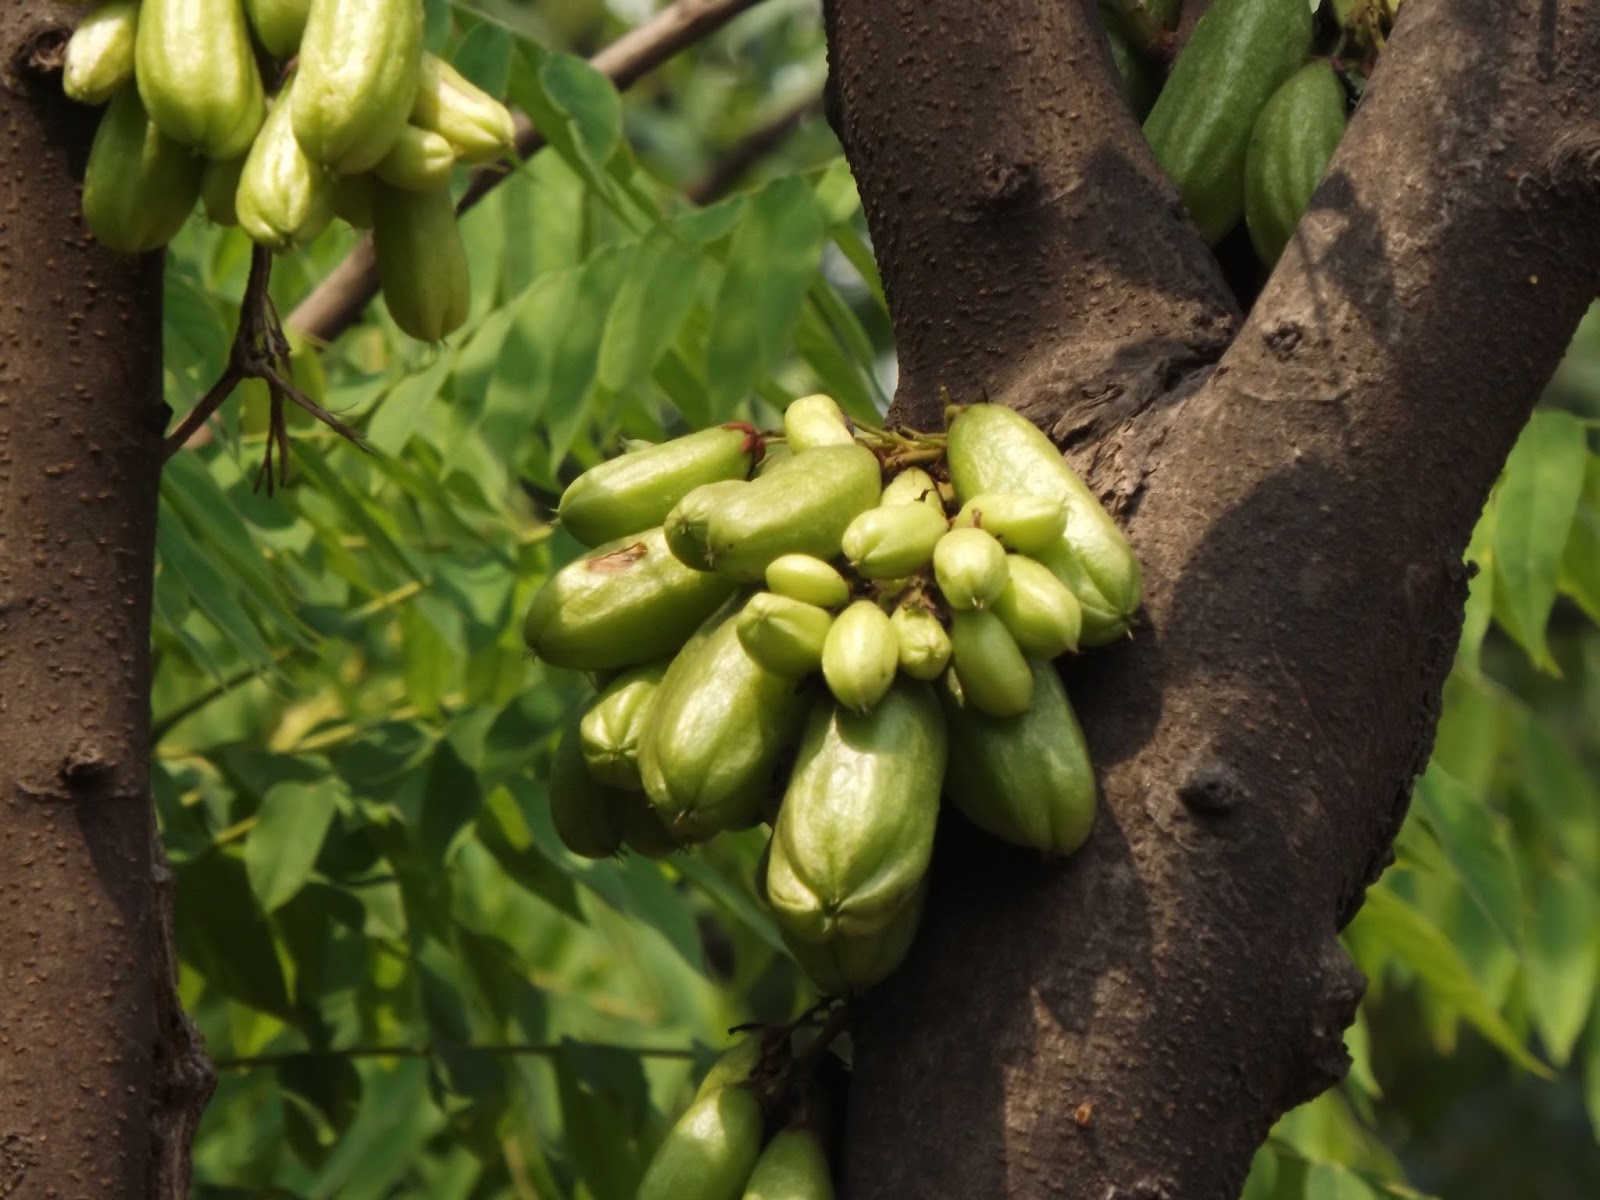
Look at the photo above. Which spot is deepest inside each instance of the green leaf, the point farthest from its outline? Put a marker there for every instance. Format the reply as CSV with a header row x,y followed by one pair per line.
x,y
1563,958
451,800
1560,791
284,842
1591,1071
504,832
222,933
380,1144
399,414
771,263
740,904
1328,1181
657,290
588,101
1534,507
1410,936
484,57
1580,561
1475,840
603,1102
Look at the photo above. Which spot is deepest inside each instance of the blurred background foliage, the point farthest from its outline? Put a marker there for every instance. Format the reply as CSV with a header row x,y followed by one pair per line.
x,y
409,988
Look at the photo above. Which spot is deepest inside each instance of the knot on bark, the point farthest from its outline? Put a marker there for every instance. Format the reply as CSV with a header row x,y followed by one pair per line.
x,y
1324,1060
1159,1188
34,53
1004,185
1212,788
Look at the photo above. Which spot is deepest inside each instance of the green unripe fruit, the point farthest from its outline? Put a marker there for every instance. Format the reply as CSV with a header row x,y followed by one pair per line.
x,y
1026,524
733,1066
814,421
352,199
422,261
855,831
892,541
1293,140
802,577
922,643
860,655
785,636
278,24
586,813
284,199
639,490
688,525
993,449
140,185
1141,79
474,122
1025,779
913,486
197,74
1038,610
720,725
792,1167
1238,55
843,962
643,830
624,603
360,66
802,505
99,55
995,678
420,161
709,1153
219,191
970,568
609,733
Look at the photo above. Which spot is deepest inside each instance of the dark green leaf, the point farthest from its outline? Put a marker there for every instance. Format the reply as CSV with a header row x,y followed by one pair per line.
x,y
287,836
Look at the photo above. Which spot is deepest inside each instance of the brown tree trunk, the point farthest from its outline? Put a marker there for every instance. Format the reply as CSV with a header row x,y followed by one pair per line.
x,y
101,1079
1128,1024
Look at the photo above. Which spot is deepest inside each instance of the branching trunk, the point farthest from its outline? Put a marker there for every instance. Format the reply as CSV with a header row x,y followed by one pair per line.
x,y
1129,1024
101,1080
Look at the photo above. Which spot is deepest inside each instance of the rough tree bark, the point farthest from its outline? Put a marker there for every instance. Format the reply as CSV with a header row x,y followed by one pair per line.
x,y
101,1079
1127,1025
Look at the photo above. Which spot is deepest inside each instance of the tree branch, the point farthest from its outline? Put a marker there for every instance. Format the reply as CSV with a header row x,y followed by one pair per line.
x,y
252,1062
1301,513
724,174
336,303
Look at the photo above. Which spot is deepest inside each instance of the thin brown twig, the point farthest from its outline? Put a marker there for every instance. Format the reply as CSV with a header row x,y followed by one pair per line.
x,y
726,172
336,303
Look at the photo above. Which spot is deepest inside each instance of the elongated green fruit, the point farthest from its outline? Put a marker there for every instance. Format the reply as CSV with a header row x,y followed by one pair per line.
x,y
1239,54
891,541
860,655
913,486
352,199
994,675
610,730
1141,80
360,66
993,449
775,453
855,832
422,261
586,813
278,24
709,1153
1025,779
139,186
688,525
197,74
624,603
639,490
719,727
1038,610
99,56
801,506
802,577
733,1066
471,120
923,645
643,830
843,962
1290,146
420,161
814,421
1026,524
284,199
785,636
970,567
792,1167
219,190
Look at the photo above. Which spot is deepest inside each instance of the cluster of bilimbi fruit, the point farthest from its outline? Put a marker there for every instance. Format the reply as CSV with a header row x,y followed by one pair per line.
x,y
1246,119
813,631
279,115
